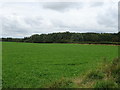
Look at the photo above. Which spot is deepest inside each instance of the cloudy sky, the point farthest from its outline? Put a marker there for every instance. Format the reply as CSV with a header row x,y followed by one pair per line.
x,y
22,19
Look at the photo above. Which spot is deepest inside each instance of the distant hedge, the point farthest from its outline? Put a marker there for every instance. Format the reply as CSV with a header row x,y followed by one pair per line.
x,y
68,37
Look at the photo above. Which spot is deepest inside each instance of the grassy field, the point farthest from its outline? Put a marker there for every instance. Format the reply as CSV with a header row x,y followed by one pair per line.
x,y
38,65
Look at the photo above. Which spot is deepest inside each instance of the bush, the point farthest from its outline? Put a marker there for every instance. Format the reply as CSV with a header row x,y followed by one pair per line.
x,y
106,84
62,83
95,75
92,77
110,73
115,70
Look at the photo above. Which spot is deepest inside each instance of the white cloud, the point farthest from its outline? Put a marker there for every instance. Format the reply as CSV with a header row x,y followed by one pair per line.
x,y
63,6
21,19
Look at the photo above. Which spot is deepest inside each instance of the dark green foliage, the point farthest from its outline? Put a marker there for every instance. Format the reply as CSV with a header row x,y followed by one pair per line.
x,y
112,72
62,83
106,84
95,75
12,39
105,77
67,37
115,70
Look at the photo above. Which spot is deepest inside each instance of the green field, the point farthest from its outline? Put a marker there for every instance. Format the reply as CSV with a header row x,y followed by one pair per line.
x,y
37,65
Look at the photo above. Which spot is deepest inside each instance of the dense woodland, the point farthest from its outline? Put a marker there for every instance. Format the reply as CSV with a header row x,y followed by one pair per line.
x,y
68,37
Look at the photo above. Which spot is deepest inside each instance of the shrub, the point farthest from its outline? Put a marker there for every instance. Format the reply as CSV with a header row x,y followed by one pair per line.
x,y
62,83
115,70
92,76
106,84
110,73
95,75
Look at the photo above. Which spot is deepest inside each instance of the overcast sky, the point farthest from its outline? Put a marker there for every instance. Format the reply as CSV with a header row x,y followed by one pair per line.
x,y
21,19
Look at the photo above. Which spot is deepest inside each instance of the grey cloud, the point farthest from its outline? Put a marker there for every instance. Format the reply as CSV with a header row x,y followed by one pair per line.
x,y
26,24
36,21
59,24
72,28
97,4
13,28
109,18
62,6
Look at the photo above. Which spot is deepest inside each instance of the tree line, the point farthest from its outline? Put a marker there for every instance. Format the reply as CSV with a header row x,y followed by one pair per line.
x,y
68,37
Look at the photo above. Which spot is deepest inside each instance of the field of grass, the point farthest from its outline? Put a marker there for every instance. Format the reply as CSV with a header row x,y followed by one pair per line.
x,y
33,65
